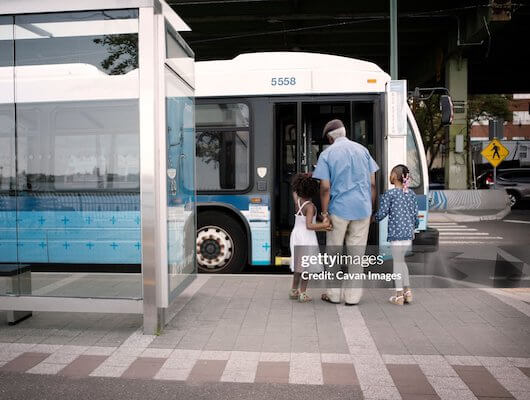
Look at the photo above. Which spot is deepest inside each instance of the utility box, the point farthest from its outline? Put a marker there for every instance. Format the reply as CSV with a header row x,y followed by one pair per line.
x,y
459,143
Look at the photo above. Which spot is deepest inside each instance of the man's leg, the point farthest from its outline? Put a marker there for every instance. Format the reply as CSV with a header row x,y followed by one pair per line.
x,y
334,242
356,238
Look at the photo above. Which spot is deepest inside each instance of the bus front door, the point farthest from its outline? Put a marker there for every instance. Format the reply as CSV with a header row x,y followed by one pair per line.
x,y
287,165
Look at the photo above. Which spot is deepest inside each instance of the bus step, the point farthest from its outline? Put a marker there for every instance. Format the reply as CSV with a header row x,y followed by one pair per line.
x,y
282,260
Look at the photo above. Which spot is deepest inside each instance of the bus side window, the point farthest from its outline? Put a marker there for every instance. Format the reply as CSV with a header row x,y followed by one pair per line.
x,y
222,159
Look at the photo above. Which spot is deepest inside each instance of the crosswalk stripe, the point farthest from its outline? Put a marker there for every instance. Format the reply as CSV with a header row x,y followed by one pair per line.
x,y
457,229
461,242
480,238
442,223
516,221
464,234
442,228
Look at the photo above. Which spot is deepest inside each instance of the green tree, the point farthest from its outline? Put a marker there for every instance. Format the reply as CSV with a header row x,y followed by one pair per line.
x,y
428,117
123,53
480,107
488,106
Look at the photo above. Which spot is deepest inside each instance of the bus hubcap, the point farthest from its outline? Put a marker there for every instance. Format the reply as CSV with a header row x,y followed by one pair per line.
x,y
214,247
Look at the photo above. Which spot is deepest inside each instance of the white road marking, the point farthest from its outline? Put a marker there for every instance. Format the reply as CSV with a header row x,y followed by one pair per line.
x,y
457,229
464,234
478,238
442,223
516,221
462,242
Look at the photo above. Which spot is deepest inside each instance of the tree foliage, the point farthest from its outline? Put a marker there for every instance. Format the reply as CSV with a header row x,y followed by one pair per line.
x,y
123,53
488,106
428,117
480,107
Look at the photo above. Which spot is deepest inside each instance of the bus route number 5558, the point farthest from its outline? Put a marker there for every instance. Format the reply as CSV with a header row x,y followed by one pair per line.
x,y
283,81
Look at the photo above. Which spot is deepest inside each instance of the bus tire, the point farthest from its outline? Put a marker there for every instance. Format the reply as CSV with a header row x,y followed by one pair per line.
x,y
221,243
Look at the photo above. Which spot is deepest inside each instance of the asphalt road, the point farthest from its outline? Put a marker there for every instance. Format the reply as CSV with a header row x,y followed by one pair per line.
x,y
43,387
514,228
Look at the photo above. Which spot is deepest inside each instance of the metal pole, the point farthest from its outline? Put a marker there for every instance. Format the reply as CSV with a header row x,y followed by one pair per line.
x,y
494,177
393,40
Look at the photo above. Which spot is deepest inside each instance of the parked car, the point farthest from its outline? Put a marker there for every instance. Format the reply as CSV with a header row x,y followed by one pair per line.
x,y
516,181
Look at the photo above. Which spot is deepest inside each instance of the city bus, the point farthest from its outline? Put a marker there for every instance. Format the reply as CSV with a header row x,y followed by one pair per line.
x,y
259,120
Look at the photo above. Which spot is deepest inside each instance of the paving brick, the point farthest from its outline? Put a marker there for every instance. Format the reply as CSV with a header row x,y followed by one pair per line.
x,y
82,366
272,372
144,368
339,374
207,371
410,380
24,362
480,381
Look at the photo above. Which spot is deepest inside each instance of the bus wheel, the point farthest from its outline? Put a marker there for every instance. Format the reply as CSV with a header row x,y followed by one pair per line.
x,y
221,244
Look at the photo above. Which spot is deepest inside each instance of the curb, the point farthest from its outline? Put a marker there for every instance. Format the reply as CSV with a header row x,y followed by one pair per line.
x,y
463,217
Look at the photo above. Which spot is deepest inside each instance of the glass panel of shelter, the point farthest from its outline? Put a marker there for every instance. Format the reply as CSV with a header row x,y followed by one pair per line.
x,y
74,204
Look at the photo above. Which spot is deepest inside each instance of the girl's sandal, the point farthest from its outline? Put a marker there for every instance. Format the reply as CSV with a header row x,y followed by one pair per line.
x,y
326,298
407,297
304,298
398,300
294,294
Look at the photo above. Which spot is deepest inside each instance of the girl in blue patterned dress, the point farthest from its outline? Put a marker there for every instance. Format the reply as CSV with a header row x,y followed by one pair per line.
x,y
401,207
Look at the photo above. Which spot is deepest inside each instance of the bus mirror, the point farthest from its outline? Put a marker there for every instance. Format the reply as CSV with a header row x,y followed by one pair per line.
x,y
446,108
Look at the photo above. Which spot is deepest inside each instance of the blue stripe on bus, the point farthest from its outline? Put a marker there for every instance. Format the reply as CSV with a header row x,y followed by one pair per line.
x,y
99,237
70,202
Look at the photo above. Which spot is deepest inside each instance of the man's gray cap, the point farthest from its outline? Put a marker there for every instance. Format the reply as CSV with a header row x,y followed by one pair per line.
x,y
332,125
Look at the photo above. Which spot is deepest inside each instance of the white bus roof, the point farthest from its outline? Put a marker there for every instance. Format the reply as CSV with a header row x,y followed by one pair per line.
x,y
284,73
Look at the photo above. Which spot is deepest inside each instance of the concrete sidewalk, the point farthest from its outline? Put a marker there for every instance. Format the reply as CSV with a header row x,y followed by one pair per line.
x,y
448,344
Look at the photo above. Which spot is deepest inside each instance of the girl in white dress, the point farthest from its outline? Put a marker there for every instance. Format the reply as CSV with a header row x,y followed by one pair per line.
x,y
304,231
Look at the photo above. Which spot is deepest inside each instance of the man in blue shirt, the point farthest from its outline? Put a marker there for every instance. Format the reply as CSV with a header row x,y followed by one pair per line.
x,y
347,192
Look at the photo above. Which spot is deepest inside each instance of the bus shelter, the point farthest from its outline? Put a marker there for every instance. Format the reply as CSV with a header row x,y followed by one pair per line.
x,y
97,182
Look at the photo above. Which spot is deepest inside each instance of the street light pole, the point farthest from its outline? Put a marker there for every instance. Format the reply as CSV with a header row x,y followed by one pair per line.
x,y
393,40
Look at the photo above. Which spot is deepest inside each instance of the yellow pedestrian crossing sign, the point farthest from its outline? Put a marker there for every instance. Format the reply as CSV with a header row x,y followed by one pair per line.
x,y
495,152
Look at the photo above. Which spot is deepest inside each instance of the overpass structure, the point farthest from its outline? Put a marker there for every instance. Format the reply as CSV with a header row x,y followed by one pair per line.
x,y
468,46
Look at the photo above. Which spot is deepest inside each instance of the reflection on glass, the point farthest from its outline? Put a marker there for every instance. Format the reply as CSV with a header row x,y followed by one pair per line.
x,y
180,182
122,53
6,41
77,184
107,40
222,114
363,125
222,160
69,153
78,146
413,159
7,147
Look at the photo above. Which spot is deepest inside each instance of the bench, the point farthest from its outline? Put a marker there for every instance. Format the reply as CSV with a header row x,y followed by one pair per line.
x,y
16,282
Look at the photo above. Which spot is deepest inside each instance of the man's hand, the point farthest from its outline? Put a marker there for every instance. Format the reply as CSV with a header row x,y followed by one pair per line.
x,y
327,226
325,194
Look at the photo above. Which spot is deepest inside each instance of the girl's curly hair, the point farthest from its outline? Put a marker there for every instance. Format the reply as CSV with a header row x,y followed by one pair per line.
x,y
401,171
305,186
